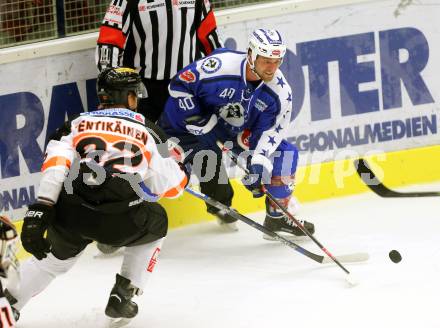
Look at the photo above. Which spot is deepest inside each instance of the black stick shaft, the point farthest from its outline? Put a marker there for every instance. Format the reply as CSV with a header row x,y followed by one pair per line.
x,y
285,211
256,225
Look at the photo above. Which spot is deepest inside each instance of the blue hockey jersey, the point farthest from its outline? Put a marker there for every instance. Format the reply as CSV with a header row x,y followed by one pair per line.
x,y
217,85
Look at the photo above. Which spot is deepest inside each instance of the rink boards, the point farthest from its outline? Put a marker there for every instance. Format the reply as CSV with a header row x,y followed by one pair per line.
x,y
364,76
320,181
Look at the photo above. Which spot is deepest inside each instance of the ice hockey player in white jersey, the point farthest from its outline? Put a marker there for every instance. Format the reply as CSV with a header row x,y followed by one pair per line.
x,y
101,178
9,269
245,99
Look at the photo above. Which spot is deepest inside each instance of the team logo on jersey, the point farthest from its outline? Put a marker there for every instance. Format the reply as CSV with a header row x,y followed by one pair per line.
x,y
260,105
188,76
139,118
211,65
233,114
151,6
117,112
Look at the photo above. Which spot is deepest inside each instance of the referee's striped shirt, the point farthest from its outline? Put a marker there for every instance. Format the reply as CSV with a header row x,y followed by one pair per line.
x,y
158,37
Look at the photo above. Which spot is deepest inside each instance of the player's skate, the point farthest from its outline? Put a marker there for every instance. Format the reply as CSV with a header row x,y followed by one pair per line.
x,y
291,232
277,222
226,222
120,308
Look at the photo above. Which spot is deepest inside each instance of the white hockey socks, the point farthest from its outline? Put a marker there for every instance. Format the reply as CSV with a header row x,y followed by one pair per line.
x,y
139,262
37,275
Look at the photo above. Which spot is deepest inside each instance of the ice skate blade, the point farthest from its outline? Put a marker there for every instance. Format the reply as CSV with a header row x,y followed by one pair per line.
x,y
287,236
118,322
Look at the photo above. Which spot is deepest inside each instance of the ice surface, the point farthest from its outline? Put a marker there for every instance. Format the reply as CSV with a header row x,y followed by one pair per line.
x,y
208,278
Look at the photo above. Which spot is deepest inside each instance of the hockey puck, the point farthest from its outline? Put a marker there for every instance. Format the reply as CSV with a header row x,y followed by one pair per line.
x,y
395,256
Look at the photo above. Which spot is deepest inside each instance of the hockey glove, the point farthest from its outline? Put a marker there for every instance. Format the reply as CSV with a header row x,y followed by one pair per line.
x,y
203,128
252,181
37,219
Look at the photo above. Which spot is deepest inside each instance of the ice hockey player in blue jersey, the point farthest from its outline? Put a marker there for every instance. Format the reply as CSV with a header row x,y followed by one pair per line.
x,y
245,100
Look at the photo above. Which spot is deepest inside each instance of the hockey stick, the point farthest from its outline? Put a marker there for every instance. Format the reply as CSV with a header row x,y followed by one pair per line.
x,y
371,180
354,257
234,158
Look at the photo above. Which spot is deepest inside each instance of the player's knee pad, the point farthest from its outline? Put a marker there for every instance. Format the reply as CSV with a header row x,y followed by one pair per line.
x,y
55,266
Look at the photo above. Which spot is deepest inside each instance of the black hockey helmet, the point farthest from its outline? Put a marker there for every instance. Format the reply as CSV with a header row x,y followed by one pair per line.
x,y
114,84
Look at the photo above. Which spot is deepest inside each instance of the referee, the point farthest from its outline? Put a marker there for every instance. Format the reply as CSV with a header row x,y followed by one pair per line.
x,y
158,38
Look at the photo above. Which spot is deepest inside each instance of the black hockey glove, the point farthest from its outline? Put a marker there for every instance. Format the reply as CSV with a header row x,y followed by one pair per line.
x,y
253,181
37,219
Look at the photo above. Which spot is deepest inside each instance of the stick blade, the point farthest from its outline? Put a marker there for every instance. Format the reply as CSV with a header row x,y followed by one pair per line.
x,y
348,258
370,179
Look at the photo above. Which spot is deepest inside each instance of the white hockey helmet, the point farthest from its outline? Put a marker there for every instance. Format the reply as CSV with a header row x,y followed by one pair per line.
x,y
266,43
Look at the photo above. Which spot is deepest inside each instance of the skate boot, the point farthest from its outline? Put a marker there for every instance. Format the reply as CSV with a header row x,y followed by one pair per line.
x,y
289,231
11,299
278,222
225,221
120,307
223,194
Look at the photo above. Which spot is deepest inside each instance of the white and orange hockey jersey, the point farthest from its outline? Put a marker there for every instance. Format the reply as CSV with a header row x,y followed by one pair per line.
x,y
117,140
